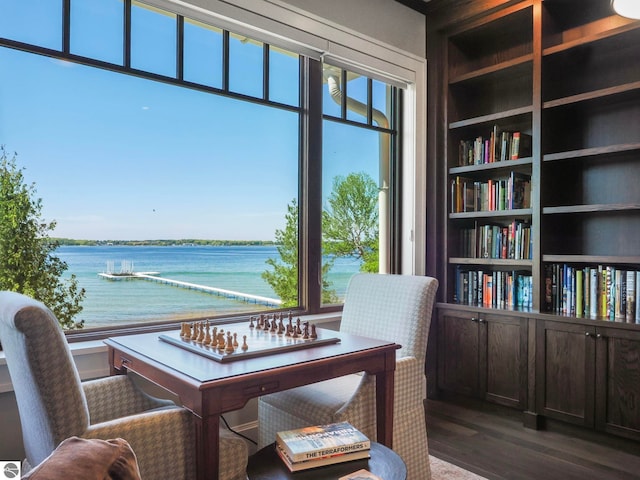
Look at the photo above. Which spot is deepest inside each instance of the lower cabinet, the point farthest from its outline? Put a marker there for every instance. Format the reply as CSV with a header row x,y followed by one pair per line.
x,y
483,355
589,375
574,370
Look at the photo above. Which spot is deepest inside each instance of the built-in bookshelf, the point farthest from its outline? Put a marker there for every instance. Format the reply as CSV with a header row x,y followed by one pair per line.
x,y
490,161
546,92
590,153
538,299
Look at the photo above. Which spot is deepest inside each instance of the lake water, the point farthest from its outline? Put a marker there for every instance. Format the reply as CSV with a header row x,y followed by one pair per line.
x,y
236,268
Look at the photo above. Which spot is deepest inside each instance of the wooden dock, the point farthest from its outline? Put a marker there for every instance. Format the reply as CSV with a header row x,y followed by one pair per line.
x,y
221,292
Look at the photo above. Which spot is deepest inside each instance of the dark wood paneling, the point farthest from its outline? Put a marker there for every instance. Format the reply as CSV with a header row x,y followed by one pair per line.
x,y
565,370
458,353
618,382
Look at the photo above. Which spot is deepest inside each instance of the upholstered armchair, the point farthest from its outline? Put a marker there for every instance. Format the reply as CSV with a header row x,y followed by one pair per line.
x,y
386,307
55,405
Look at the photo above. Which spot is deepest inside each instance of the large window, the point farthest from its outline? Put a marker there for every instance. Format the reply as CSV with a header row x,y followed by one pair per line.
x,y
167,146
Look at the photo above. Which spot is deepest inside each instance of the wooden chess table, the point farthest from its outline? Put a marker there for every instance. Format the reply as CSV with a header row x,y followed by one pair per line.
x,y
209,388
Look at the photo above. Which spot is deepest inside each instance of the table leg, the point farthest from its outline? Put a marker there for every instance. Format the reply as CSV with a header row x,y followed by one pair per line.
x,y
207,443
384,406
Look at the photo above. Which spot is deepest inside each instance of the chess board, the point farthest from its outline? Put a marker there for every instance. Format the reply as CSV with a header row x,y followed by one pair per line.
x,y
252,341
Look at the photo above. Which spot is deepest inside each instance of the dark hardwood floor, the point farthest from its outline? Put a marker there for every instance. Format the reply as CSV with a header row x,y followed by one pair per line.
x,y
491,441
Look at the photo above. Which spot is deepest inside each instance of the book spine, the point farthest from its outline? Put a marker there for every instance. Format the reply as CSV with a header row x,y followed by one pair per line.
x,y
579,293
593,292
637,296
630,314
324,452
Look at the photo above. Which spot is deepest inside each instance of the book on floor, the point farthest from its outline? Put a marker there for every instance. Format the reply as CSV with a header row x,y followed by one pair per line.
x,y
320,461
319,441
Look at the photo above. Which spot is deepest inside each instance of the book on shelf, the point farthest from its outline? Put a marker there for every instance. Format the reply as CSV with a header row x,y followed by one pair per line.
x,y
606,292
493,289
499,146
320,461
321,441
496,194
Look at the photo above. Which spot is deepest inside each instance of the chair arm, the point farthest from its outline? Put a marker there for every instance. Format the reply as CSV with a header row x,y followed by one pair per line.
x,y
410,385
117,396
165,444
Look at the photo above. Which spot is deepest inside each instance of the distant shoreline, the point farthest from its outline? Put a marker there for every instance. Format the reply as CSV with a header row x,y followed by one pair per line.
x,y
161,243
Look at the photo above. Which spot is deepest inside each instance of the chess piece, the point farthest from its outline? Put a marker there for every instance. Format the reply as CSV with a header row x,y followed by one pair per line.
x,y
290,326
305,332
229,345
280,326
214,337
244,347
201,333
235,340
298,329
251,325
221,343
195,331
207,335
314,334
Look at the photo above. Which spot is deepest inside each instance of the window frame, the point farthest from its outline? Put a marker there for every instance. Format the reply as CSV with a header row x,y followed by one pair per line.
x,y
310,195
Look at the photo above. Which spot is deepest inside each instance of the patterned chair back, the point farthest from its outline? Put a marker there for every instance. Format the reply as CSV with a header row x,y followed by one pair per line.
x,y
45,380
391,307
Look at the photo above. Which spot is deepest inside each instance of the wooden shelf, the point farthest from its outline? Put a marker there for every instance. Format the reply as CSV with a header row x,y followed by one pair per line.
x,y
520,213
595,95
496,262
492,118
521,164
502,68
591,152
616,26
601,208
592,259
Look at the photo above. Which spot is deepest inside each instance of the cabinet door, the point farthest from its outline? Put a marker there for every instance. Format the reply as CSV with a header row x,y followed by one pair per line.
x,y
618,382
565,371
503,359
458,343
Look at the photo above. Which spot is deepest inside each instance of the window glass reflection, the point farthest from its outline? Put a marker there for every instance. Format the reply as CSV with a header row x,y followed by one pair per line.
x,y
357,94
284,86
153,40
97,29
38,22
246,70
202,54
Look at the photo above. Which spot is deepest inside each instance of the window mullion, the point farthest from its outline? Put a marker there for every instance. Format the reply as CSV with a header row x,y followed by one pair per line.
x,y
126,55
66,26
225,60
310,260
265,71
180,47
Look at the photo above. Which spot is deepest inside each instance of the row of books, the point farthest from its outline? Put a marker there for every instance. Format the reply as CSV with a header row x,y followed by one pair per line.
x,y
603,291
494,289
497,241
320,445
498,147
509,193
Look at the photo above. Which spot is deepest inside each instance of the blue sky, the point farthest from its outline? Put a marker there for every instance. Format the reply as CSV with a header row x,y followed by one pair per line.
x,y
118,157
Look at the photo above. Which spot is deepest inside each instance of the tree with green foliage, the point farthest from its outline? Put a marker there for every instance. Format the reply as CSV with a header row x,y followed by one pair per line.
x,y
284,276
350,222
350,229
27,261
